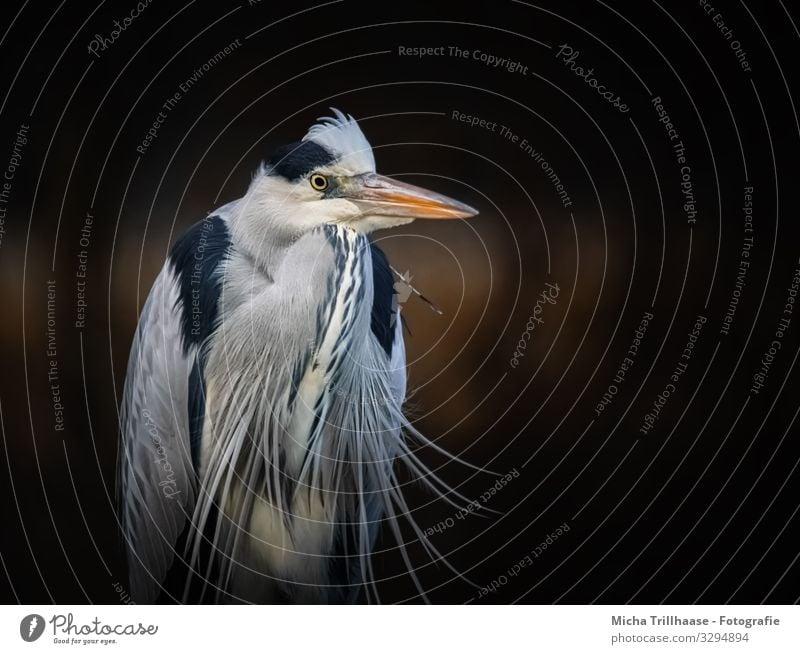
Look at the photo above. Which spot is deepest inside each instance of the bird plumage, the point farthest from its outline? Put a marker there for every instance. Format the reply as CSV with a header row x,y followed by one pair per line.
x,y
262,410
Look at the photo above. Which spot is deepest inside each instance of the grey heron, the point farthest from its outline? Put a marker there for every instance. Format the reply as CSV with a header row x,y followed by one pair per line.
x,y
262,413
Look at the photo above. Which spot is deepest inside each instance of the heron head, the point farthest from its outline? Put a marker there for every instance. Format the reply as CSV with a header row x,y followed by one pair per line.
x,y
329,178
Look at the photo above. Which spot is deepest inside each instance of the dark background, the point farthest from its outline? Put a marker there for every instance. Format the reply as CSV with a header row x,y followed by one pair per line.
x,y
701,509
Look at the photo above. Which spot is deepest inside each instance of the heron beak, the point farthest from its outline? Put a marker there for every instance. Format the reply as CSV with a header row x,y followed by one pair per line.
x,y
384,196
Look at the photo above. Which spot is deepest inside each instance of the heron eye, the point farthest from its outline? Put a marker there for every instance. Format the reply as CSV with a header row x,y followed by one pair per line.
x,y
318,182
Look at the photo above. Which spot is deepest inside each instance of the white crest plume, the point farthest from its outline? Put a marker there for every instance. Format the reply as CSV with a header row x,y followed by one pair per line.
x,y
342,136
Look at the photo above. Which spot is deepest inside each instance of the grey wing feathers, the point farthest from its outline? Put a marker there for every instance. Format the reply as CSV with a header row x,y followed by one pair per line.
x,y
157,491
397,361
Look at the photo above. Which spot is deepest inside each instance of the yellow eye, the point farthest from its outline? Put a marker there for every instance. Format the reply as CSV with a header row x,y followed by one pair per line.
x,y
318,182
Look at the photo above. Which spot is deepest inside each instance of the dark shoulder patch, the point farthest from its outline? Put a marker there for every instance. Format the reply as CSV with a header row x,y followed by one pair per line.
x,y
296,160
384,302
196,259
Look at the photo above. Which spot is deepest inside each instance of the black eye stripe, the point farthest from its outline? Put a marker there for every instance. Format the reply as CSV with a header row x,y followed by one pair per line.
x,y
296,160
